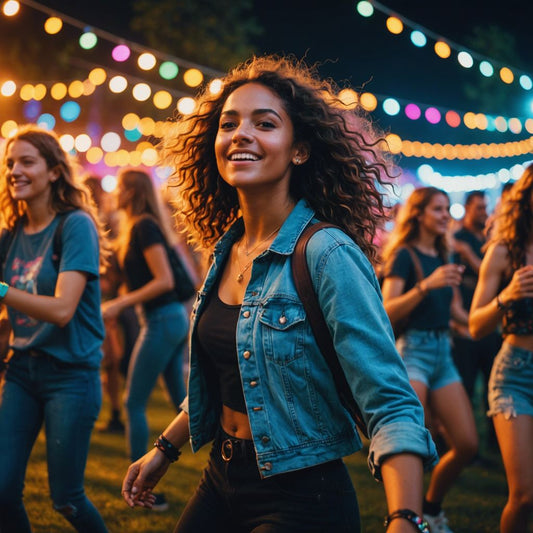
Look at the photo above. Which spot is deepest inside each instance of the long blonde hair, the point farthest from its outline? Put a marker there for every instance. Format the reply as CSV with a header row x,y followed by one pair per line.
x,y
66,194
407,227
513,222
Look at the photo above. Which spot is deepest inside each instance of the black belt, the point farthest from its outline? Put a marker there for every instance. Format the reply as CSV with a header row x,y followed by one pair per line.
x,y
233,448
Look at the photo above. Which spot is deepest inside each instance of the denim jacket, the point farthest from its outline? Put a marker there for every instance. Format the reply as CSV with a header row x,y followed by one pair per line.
x,y
296,417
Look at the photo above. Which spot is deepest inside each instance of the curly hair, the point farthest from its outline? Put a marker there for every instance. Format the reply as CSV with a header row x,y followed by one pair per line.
x,y
66,194
512,225
341,179
407,228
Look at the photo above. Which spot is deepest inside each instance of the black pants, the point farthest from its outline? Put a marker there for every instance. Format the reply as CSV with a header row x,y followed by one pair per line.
x,y
232,498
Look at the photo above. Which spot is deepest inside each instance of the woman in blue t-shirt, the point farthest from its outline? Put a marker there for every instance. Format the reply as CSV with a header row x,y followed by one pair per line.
x,y
142,253
52,293
428,299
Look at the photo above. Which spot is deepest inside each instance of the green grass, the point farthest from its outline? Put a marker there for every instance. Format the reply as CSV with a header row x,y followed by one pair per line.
x,y
473,505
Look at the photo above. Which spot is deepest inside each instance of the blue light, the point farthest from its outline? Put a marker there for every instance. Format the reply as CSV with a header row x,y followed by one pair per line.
x,y
525,82
32,109
46,121
486,69
365,9
391,106
133,135
70,111
418,38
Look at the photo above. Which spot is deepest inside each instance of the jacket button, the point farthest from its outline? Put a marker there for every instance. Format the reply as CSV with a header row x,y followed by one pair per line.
x,y
246,314
265,439
253,383
282,319
267,466
246,354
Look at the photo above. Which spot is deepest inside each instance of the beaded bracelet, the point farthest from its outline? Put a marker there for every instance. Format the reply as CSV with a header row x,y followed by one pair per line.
x,y
171,452
420,524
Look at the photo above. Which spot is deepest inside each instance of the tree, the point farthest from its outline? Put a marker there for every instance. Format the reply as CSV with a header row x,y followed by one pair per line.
x,y
490,94
214,33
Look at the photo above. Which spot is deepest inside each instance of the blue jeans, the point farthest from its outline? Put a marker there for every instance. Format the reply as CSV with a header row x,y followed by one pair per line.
x,y
67,399
232,497
158,350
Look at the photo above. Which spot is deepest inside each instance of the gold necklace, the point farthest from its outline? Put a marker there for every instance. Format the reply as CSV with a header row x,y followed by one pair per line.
x,y
242,270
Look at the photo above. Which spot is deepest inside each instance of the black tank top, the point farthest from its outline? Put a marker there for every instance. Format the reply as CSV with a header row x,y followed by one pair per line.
x,y
217,327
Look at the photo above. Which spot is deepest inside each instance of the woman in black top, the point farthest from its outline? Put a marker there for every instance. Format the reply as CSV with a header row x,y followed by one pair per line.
x,y
508,263
428,303
142,254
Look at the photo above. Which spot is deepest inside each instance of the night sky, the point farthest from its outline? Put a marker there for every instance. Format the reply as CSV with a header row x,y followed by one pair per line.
x,y
361,52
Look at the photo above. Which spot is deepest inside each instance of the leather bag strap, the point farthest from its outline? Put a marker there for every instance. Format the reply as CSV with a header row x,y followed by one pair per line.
x,y
308,297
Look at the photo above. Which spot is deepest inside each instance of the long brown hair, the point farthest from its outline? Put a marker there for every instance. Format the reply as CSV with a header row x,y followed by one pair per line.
x,y
144,202
513,222
407,227
67,193
340,179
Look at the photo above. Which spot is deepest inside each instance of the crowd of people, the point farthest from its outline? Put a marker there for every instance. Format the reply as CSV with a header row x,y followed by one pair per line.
x,y
274,152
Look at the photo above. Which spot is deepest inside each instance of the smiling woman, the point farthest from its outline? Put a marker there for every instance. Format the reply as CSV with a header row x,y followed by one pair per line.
x,y
271,154
54,310
427,300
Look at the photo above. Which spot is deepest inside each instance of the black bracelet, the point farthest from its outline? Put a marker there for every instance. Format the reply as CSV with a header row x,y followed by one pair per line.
x,y
420,524
171,452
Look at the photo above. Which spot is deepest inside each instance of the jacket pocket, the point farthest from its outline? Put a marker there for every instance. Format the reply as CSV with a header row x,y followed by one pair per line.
x,y
283,325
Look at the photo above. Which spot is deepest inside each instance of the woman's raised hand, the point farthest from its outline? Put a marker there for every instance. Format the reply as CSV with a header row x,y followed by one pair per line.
x,y
449,275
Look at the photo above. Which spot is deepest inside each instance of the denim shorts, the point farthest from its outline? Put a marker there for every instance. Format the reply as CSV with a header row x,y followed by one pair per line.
x,y
511,382
427,357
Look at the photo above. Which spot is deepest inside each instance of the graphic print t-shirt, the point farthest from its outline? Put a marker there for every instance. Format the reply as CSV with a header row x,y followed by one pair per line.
x,y
30,267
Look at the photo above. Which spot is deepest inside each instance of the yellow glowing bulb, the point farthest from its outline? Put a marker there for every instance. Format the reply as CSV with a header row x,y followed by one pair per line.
x,y
348,97
149,157
94,155
442,49
506,75
53,25
146,126
88,88
394,25
193,77
26,92
9,127
394,143
162,99
75,89
58,91
135,158
39,91
130,121
368,101
97,76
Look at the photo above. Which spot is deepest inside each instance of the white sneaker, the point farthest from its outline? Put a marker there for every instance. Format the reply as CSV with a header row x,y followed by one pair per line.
x,y
438,523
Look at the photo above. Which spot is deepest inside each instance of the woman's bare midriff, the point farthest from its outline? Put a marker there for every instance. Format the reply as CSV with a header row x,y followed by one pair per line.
x,y
521,341
235,423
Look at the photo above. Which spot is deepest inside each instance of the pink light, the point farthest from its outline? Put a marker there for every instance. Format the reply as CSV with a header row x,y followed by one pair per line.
x,y
121,52
432,115
412,111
